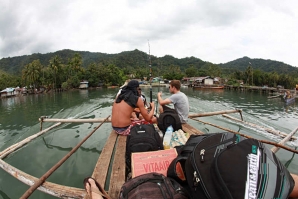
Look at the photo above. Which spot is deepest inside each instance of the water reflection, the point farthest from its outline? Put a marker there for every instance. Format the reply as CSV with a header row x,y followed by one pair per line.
x,y
83,93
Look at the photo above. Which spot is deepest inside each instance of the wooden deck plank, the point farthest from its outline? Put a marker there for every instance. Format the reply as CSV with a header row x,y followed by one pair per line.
x,y
118,170
101,168
191,130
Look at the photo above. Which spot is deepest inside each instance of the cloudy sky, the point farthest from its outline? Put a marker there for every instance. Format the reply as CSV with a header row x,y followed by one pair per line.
x,y
217,31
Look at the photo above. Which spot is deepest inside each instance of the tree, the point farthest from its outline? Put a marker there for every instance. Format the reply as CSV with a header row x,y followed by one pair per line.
x,y
174,72
56,70
213,70
191,71
249,75
112,75
274,77
31,74
93,74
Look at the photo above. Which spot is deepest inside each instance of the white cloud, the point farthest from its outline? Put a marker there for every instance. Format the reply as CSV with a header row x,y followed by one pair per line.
x,y
217,31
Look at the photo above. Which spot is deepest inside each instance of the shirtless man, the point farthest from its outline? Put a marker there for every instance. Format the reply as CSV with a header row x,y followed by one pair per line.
x,y
124,105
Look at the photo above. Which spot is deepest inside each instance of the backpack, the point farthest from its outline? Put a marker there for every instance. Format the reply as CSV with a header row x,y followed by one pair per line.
x,y
142,138
225,166
167,118
152,185
182,154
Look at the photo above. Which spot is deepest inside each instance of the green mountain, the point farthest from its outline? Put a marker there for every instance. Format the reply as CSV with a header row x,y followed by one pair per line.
x,y
136,58
268,65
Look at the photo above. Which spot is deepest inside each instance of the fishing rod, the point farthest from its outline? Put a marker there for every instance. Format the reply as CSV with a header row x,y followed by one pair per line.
x,y
150,74
158,89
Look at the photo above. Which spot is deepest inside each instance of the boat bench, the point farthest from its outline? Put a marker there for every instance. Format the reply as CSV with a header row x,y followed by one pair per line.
x,y
113,154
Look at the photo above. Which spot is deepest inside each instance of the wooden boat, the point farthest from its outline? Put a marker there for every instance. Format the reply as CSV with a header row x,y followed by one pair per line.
x,y
113,154
289,100
199,87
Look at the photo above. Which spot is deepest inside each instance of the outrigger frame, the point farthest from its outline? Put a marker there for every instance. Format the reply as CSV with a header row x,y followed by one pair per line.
x,y
110,167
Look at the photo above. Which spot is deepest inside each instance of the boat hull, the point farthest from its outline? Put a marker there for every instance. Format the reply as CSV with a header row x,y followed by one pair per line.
x,y
289,100
207,87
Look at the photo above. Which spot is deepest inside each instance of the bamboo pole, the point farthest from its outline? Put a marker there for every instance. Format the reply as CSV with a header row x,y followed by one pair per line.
x,y
279,133
14,147
50,188
264,141
215,113
56,166
287,138
275,96
97,120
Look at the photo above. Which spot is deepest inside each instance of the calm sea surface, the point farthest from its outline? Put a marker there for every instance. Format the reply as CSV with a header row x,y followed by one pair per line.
x,y
19,119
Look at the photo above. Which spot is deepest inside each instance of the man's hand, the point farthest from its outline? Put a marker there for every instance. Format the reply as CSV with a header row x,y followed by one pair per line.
x,y
159,94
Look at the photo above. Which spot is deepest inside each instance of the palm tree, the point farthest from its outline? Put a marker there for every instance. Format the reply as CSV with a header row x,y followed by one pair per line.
x,y
55,66
31,73
249,74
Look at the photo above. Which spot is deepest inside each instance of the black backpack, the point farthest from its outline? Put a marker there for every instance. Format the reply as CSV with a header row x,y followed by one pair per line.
x,y
142,138
167,118
226,166
152,185
182,154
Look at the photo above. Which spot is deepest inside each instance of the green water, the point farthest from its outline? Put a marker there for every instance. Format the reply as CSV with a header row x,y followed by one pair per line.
x,y
19,119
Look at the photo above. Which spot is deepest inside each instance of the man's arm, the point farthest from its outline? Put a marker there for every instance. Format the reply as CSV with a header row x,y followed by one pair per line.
x,y
161,101
147,116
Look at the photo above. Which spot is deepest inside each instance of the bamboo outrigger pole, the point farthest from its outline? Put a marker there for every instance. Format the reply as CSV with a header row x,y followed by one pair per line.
x,y
97,120
279,133
215,113
287,138
264,141
14,147
56,166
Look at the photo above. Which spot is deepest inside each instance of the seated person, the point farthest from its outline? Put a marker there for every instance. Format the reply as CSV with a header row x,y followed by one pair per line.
x,y
178,98
124,105
137,114
287,95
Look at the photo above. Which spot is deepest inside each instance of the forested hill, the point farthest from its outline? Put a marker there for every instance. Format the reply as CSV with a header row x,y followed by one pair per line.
x,y
268,65
132,59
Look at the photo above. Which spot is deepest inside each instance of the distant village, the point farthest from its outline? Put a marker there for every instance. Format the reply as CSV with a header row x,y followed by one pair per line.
x,y
194,82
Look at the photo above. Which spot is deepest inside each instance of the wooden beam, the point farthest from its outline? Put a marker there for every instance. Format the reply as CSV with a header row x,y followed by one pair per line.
x,y
118,171
14,147
102,166
264,141
214,113
53,189
279,133
191,130
96,120
287,138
